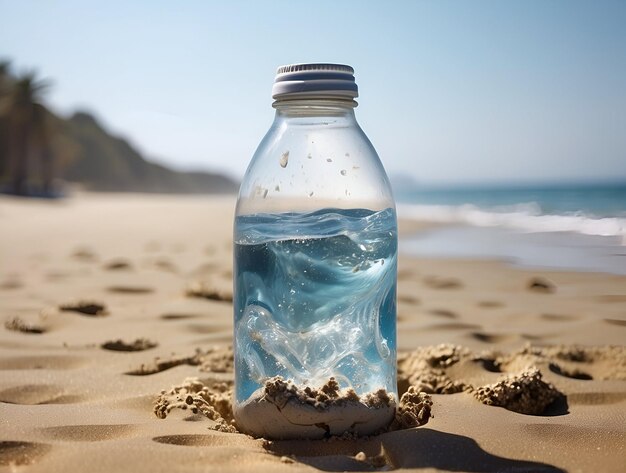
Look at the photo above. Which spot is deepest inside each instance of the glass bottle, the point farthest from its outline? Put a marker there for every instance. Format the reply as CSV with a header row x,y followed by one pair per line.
x,y
315,268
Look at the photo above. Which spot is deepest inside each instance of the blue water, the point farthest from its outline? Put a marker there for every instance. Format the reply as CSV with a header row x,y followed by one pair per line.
x,y
315,298
574,227
591,200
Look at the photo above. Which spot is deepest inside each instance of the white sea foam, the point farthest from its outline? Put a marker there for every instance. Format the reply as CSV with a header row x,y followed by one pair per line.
x,y
526,217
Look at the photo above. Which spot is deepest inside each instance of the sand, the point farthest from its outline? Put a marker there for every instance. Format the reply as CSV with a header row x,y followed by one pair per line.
x,y
281,410
115,353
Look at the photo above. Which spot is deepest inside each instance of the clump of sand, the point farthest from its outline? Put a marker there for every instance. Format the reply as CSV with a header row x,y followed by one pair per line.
x,y
217,360
425,367
212,401
203,290
85,307
280,391
414,409
214,360
139,344
522,390
18,325
425,371
573,361
525,393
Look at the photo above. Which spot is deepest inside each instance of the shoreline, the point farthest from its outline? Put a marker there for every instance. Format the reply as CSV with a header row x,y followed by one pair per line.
x,y
538,251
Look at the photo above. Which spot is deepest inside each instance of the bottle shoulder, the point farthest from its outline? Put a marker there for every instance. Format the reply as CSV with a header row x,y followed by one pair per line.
x,y
311,164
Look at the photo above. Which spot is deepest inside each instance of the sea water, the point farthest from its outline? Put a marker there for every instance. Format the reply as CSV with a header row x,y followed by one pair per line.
x,y
315,298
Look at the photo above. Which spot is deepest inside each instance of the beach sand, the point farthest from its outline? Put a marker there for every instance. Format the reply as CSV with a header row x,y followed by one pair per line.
x,y
110,303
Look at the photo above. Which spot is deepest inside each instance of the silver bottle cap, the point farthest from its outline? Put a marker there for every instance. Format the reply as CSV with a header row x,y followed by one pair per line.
x,y
315,80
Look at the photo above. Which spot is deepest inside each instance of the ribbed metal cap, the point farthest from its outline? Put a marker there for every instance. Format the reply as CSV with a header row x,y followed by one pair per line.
x,y
315,80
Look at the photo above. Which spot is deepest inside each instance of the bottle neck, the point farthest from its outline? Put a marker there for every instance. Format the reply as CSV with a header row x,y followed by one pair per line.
x,y
308,111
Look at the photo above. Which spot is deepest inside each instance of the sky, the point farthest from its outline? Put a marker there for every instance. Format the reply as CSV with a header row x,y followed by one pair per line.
x,y
451,92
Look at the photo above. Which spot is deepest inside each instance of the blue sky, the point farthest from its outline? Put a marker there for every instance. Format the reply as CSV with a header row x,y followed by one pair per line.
x,y
460,92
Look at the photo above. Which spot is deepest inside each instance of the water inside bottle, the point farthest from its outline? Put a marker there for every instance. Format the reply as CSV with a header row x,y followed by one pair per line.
x,y
316,299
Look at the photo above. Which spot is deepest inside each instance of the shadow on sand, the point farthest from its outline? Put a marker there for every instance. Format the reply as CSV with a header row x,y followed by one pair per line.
x,y
418,448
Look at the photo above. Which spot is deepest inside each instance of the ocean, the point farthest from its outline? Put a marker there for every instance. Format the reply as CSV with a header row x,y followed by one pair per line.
x,y
574,227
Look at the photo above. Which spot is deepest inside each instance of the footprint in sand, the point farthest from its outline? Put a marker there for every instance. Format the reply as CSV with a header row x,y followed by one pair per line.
x,y
18,325
535,338
559,317
55,275
195,440
88,433
178,316
490,304
406,274
542,285
34,394
489,337
203,291
406,299
118,264
439,282
208,328
165,265
13,453
10,284
84,254
139,344
618,322
488,364
572,373
130,289
85,307
448,314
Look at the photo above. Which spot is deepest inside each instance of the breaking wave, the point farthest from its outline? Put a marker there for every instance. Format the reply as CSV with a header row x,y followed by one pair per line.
x,y
526,217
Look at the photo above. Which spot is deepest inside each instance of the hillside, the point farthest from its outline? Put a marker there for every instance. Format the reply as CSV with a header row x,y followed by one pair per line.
x,y
102,162
39,148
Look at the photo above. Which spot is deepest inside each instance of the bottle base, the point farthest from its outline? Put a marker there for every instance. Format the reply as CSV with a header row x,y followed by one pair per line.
x,y
281,410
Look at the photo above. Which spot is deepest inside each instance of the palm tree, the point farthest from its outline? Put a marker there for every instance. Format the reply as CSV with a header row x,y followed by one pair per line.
x,y
5,78
5,83
27,129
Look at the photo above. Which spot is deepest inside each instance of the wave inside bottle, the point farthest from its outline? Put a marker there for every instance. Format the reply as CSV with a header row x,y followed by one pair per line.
x,y
315,299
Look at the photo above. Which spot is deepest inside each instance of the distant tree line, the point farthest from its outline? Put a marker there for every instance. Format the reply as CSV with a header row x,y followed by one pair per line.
x,y
26,156
40,150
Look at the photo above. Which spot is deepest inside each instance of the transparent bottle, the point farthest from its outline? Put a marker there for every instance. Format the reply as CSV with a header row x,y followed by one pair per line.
x,y
315,268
